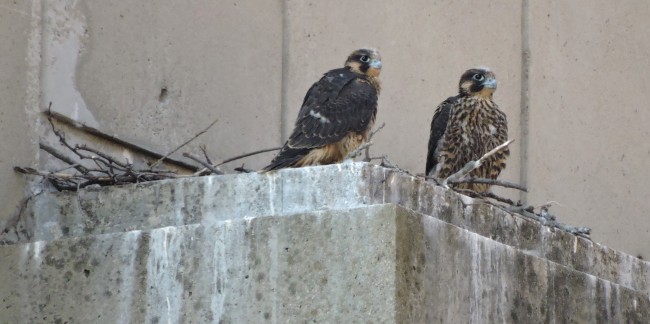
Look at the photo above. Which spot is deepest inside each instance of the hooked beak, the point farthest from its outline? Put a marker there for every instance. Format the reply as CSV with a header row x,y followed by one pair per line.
x,y
490,83
375,64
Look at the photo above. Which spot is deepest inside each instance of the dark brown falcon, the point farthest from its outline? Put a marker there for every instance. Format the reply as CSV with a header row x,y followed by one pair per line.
x,y
336,115
467,126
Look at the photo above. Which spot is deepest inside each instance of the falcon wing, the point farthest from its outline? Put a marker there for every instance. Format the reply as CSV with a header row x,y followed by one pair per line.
x,y
438,128
340,102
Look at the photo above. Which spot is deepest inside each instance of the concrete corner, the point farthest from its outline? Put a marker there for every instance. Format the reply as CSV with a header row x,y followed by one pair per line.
x,y
342,243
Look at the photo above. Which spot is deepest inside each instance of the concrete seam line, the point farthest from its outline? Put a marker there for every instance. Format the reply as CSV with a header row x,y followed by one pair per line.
x,y
284,111
524,97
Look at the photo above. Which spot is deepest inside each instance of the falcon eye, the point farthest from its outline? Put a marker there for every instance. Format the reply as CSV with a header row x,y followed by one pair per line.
x,y
365,59
478,77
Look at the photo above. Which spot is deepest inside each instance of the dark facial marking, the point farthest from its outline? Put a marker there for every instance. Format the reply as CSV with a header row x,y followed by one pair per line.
x,y
364,67
476,86
476,77
363,57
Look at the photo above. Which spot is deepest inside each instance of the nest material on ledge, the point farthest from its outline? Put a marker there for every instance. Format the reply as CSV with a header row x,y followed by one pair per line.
x,y
109,171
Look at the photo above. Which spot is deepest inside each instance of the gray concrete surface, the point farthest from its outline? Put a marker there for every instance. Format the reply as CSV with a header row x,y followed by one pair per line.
x,y
449,275
271,269
590,149
249,63
210,200
51,216
19,80
379,263
144,75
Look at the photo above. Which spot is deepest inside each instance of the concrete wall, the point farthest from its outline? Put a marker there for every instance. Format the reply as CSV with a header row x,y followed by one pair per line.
x,y
156,74
19,90
382,247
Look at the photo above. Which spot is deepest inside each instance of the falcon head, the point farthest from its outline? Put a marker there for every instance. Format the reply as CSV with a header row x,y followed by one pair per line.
x,y
364,61
479,82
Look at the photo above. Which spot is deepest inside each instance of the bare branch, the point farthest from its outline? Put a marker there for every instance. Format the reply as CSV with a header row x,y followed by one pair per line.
x,y
493,182
52,151
243,169
544,216
475,194
60,134
116,140
496,197
204,150
365,146
238,157
204,164
549,220
387,163
109,170
185,143
67,168
88,179
109,160
49,175
376,131
356,152
10,224
472,165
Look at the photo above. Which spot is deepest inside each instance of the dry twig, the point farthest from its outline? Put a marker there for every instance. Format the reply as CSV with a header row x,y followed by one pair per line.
x,y
204,164
492,182
238,157
185,143
116,140
365,146
547,219
242,169
62,157
204,150
505,204
108,171
472,165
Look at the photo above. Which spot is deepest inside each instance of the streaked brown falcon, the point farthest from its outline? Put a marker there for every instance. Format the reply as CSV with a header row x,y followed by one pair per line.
x,y
467,126
337,114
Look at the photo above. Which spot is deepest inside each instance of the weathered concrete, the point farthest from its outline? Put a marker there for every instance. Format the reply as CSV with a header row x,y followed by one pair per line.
x,y
449,275
589,148
209,200
156,74
262,269
371,264
19,80
205,199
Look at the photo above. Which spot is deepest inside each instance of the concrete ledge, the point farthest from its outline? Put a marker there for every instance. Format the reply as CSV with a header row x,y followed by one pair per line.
x,y
450,275
379,263
526,235
206,200
334,266
52,216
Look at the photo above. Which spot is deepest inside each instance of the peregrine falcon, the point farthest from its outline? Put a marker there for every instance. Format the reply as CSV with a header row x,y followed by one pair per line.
x,y
337,114
467,126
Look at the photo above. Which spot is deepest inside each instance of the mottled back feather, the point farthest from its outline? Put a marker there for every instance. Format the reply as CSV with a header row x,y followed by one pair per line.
x,y
438,128
339,103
